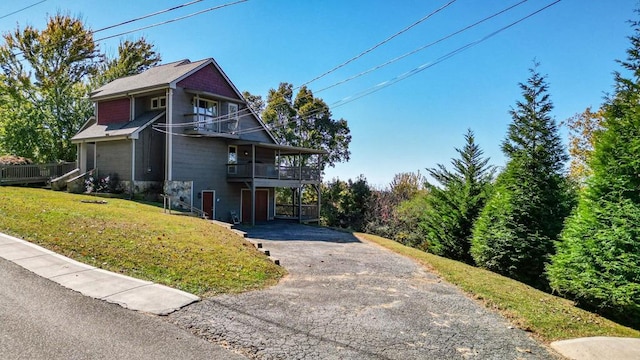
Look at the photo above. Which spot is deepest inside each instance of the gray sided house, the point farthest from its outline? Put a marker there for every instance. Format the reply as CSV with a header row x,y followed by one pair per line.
x,y
185,128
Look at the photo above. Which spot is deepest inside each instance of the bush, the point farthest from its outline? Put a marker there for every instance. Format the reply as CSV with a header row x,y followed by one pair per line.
x,y
109,184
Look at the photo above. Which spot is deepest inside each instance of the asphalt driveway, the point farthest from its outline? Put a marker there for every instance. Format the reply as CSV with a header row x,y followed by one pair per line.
x,y
347,299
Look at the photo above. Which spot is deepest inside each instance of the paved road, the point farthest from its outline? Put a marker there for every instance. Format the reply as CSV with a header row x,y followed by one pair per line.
x,y
40,319
345,299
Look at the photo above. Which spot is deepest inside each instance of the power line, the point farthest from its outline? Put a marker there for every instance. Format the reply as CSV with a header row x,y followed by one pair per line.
x,y
154,14
24,8
420,48
148,16
379,44
399,78
174,20
425,66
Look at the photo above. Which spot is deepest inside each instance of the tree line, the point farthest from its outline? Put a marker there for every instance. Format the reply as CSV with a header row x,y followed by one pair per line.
x,y
575,233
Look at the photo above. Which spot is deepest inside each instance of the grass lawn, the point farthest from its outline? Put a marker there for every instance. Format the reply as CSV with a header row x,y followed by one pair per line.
x,y
548,317
137,240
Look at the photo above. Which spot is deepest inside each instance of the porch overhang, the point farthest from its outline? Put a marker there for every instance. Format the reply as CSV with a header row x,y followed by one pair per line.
x,y
284,149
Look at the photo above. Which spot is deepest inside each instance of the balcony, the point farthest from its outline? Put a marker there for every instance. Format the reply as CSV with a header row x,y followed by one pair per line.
x,y
273,172
214,126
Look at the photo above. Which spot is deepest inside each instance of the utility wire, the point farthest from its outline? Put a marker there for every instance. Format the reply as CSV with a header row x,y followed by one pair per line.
x,y
154,14
148,15
24,8
437,61
381,85
174,20
420,48
379,44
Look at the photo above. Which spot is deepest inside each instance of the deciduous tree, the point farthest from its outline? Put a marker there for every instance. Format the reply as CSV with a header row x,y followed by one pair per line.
x,y
583,129
46,78
134,57
49,83
306,121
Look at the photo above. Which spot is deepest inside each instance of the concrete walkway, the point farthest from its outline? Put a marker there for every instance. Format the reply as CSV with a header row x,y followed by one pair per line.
x,y
598,348
126,291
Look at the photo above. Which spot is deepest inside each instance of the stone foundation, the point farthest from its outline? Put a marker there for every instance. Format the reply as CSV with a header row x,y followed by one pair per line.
x,y
179,191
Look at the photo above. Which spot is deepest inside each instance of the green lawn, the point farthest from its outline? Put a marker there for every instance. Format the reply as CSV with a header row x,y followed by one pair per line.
x,y
548,317
137,240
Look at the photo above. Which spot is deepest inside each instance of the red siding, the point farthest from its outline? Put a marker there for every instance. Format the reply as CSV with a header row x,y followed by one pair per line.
x,y
208,79
113,111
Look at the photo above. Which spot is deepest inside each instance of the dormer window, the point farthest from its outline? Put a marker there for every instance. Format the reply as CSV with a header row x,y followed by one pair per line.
x,y
159,102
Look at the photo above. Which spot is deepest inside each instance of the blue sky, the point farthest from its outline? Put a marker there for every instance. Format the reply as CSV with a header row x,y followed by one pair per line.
x,y
415,123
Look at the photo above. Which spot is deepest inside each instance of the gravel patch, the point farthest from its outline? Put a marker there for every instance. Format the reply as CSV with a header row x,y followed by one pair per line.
x,y
346,299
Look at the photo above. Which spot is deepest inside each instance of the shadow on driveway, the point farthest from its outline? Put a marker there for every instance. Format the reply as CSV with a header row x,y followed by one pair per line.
x,y
292,231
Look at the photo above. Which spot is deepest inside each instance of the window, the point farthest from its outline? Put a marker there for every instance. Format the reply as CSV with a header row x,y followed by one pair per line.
x,y
159,102
205,111
232,114
233,159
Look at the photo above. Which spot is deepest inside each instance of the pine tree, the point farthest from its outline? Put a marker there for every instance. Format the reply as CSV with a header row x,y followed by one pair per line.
x,y
454,205
598,258
516,230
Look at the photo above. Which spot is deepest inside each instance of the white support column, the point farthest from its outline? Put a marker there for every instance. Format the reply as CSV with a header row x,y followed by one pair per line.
x,y
133,161
132,108
300,204
253,184
169,143
81,149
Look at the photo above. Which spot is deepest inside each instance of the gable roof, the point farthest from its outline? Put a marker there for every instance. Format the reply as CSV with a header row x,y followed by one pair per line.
x,y
161,76
92,131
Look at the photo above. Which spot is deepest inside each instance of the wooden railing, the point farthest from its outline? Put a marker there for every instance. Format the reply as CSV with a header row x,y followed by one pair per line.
x,y
291,211
33,173
267,171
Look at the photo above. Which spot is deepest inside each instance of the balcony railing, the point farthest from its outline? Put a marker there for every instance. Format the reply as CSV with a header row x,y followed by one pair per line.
x,y
33,173
268,171
210,124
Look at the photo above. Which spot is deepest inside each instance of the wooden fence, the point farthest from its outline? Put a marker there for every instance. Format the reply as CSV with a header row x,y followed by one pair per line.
x,y
33,173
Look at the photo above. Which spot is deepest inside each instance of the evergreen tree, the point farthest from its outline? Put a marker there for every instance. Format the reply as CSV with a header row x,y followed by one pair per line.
x,y
598,258
516,230
454,206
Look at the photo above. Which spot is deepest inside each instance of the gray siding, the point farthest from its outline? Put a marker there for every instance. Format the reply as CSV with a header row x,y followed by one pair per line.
x,y
203,161
250,122
150,155
114,157
143,103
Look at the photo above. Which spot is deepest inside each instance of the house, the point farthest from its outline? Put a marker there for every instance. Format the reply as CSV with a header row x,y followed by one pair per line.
x,y
185,128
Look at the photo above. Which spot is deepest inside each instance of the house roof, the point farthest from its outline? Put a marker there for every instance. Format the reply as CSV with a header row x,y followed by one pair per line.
x,y
155,77
93,131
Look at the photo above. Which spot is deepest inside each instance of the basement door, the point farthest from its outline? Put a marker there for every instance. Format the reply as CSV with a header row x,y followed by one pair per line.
x,y
262,205
209,203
